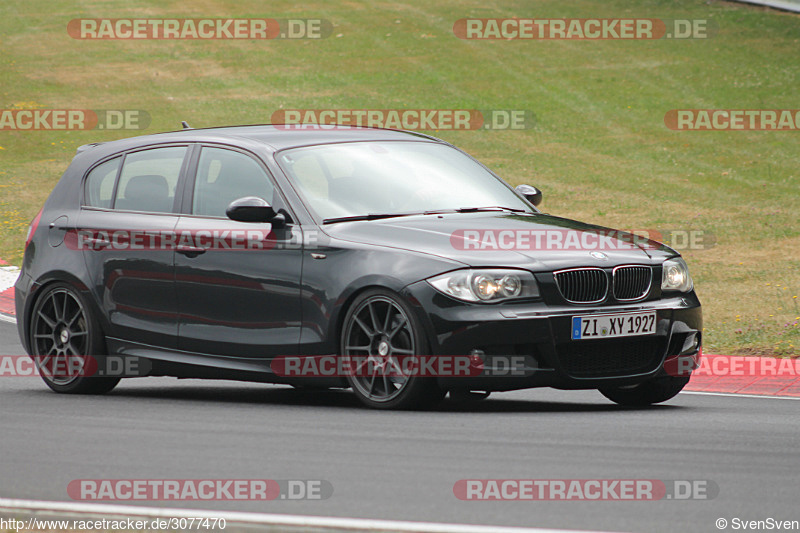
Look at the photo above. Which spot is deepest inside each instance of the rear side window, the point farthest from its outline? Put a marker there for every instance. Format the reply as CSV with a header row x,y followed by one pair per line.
x,y
100,184
149,179
224,176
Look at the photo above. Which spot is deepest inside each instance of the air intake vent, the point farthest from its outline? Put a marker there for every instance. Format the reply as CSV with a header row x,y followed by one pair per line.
x,y
582,285
608,358
632,282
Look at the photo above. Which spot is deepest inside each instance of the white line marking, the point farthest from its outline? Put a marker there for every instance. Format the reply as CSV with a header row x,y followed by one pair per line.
x,y
285,521
740,395
8,277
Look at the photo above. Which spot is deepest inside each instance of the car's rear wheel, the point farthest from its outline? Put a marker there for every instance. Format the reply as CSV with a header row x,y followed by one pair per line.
x,y
67,343
654,391
379,334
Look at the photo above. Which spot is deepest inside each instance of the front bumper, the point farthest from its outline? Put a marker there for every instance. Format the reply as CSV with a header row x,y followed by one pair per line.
x,y
535,336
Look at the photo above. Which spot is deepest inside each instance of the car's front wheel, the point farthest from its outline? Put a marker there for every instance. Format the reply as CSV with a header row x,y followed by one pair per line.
x,y
67,343
379,335
654,391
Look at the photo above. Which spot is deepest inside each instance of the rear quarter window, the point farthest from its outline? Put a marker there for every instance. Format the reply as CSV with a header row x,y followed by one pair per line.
x,y
99,186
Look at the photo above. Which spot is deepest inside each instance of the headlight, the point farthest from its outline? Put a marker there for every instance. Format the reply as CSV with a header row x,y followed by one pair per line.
x,y
486,285
675,276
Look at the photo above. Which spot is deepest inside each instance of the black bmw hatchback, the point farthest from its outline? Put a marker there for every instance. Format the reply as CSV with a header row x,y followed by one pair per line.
x,y
386,261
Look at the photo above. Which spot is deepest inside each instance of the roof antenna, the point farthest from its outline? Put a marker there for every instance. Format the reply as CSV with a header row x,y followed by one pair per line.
x,y
185,125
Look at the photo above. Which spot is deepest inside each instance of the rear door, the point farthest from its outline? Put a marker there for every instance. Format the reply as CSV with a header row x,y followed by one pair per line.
x,y
234,297
128,216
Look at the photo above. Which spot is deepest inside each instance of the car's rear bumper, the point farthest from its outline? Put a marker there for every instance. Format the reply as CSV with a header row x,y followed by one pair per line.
x,y
22,289
529,344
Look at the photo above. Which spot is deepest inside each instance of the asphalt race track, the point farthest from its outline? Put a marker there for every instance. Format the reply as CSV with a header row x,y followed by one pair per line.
x,y
403,465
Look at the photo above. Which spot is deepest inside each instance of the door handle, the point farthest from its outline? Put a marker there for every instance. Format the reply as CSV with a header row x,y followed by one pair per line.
x,y
190,251
97,244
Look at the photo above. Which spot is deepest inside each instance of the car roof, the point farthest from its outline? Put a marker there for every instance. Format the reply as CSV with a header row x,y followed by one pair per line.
x,y
277,137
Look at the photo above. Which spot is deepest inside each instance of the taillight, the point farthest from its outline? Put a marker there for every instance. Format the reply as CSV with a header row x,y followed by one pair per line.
x,y
32,228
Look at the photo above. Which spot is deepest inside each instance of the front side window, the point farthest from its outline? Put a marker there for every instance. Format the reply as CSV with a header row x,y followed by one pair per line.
x,y
99,187
149,179
224,176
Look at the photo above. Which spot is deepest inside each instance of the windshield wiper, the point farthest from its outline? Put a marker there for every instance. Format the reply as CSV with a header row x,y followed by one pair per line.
x,y
477,209
378,216
488,208
371,216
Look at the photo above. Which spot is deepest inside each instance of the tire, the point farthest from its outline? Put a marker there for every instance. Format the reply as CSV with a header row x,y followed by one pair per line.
x,y
63,331
379,325
654,391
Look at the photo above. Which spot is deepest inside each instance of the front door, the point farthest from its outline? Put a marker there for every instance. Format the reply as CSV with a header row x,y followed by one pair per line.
x,y
234,298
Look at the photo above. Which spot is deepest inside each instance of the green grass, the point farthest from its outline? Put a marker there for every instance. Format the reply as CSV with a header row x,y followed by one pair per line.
x,y
600,149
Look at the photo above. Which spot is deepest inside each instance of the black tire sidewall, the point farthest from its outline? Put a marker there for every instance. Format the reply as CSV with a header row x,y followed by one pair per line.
x,y
656,390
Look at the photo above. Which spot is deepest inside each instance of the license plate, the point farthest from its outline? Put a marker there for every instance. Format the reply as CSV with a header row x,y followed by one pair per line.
x,y
610,326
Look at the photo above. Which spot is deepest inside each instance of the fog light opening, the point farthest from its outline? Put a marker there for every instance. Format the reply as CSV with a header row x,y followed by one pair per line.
x,y
691,343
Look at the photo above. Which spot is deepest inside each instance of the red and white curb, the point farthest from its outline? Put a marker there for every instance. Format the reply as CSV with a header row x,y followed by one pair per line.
x,y
763,377
268,522
8,277
754,376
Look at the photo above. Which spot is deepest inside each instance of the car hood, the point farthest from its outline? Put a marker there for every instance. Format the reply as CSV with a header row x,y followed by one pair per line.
x,y
494,239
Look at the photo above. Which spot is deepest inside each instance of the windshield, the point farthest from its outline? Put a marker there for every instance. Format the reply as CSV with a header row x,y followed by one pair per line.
x,y
368,178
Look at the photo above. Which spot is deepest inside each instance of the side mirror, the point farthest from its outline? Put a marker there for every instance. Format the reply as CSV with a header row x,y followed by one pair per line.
x,y
530,193
253,209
